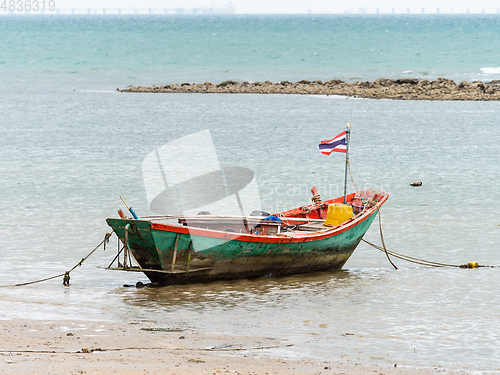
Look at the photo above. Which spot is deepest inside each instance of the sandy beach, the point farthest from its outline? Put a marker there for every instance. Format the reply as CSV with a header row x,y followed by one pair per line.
x,y
132,347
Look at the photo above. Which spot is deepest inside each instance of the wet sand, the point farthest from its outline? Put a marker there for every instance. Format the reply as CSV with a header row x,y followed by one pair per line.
x,y
132,347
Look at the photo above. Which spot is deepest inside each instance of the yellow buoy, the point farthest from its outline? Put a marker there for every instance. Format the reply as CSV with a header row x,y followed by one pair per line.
x,y
337,214
472,265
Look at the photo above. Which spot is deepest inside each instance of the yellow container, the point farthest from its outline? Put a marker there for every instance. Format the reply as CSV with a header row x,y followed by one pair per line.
x,y
337,214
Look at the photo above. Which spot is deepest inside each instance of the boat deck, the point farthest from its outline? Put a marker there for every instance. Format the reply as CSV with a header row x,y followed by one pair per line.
x,y
258,225
295,222
312,227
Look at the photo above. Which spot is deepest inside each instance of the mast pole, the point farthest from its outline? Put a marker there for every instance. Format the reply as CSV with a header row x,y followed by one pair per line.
x,y
347,138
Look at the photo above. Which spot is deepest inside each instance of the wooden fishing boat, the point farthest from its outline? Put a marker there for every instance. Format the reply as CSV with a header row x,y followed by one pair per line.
x,y
203,247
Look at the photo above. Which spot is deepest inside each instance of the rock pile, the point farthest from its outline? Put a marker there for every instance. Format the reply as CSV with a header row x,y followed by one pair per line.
x,y
383,88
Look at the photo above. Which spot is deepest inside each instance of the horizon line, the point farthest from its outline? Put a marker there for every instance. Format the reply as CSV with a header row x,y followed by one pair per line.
x,y
162,11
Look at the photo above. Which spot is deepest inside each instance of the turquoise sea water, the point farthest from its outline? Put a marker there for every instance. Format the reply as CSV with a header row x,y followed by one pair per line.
x,y
70,145
158,49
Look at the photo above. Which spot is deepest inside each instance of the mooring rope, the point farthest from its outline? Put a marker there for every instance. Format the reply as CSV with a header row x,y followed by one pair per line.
x,y
407,258
65,275
350,174
425,262
382,238
416,260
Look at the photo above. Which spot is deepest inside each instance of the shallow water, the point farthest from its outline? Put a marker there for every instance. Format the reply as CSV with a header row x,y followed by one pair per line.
x,y
71,145
57,195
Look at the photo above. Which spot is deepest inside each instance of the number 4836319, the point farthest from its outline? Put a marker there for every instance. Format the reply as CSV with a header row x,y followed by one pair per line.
x,y
28,5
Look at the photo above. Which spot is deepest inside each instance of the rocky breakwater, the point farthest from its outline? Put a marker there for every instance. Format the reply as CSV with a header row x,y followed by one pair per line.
x,y
383,88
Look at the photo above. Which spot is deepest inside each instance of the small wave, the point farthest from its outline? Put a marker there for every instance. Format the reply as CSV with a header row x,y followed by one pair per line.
x,y
490,70
425,72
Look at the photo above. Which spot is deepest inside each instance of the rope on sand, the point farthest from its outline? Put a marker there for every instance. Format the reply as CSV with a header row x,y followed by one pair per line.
x,y
91,350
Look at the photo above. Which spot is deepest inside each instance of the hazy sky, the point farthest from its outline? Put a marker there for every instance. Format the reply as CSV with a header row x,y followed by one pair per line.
x,y
290,6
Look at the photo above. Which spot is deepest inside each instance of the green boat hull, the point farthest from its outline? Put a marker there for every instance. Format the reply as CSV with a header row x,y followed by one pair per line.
x,y
177,254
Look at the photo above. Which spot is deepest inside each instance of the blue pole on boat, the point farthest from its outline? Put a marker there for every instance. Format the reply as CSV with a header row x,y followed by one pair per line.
x,y
129,208
347,138
133,213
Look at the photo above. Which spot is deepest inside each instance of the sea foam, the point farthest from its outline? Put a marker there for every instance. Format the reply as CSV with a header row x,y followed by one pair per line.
x,y
490,70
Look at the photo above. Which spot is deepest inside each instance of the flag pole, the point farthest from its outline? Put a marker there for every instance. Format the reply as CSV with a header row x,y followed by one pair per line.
x,y
347,138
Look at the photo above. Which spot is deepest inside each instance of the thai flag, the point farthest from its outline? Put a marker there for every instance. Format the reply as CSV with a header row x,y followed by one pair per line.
x,y
337,144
